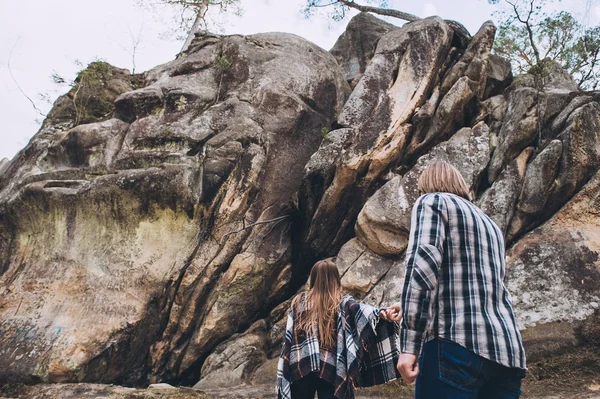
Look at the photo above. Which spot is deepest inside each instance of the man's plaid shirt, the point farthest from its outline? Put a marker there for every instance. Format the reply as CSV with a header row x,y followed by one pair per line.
x,y
366,352
454,283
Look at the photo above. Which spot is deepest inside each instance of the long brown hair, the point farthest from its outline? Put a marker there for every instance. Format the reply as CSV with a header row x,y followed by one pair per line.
x,y
442,177
321,302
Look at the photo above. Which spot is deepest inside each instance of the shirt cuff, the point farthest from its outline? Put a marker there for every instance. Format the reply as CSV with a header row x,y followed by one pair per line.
x,y
411,342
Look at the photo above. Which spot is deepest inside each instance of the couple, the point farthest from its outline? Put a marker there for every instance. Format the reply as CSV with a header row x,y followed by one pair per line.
x,y
458,336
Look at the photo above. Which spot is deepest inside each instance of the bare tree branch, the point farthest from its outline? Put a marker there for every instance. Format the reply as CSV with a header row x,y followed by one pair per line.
x,y
277,219
17,83
381,11
527,23
135,43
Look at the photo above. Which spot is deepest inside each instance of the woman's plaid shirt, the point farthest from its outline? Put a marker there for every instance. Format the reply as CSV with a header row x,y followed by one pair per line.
x,y
366,352
454,283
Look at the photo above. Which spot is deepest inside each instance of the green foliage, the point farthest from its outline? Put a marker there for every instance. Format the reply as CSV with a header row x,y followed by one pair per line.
x,y
95,73
527,36
88,88
222,63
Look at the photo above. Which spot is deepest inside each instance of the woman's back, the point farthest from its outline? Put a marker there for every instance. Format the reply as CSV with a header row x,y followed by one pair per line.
x,y
464,266
334,342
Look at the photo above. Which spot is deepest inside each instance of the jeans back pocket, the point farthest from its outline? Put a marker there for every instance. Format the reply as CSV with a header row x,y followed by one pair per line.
x,y
459,366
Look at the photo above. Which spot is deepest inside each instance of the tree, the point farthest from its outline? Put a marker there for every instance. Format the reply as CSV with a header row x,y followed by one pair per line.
x,y
193,14
341,7
527,36
135,42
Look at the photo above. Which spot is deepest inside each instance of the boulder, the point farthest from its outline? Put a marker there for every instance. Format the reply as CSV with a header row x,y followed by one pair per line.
x,y
379,224
388,289
473,64
580,155
531,107
558,123
553,271
93,145
232,362
499,76
133,246
92,96
468,150
3,164
499,200
450,107
539,179
361,268
519,128
447,117
493,110
356,46
393,67
383,224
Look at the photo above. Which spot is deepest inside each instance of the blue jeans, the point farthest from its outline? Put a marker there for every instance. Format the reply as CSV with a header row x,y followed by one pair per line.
x,y
450,371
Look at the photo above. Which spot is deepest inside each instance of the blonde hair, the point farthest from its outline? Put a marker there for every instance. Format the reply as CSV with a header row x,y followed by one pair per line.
x,y
318,310
442,177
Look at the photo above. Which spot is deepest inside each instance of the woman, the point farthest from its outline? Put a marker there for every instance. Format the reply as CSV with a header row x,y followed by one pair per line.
x,y
334,343
454,299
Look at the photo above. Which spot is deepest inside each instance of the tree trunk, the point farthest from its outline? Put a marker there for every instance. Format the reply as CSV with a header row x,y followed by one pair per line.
x,y
199,18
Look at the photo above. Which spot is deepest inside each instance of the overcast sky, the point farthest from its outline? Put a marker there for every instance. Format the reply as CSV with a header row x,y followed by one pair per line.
x,y
42,37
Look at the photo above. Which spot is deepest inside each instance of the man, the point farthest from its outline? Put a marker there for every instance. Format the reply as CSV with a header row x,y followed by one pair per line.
x,y
457,313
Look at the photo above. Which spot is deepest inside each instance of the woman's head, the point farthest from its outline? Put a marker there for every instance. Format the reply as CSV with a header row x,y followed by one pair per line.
x,y
325,277
442,177
321,302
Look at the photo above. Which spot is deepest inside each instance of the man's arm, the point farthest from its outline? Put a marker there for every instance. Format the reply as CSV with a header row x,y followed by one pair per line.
x,y
423,260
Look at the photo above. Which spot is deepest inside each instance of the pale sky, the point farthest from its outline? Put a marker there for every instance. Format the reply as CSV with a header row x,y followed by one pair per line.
x,y
51,36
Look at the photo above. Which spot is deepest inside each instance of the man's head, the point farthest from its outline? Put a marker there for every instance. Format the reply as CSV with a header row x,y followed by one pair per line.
x,y
440,176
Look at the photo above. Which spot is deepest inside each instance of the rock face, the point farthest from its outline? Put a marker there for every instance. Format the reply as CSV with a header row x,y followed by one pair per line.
x,y
384,222
130,246
356,46
163,242
556,267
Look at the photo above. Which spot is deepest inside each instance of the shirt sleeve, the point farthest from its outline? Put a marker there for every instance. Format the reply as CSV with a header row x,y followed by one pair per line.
x,y
364,314
423,260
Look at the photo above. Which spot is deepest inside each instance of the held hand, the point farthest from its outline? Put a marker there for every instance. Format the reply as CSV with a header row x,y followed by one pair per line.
x,y
408,367
384,315
394,313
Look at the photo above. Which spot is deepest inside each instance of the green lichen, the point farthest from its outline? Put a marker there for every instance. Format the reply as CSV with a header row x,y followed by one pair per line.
x,y
222,62
181,103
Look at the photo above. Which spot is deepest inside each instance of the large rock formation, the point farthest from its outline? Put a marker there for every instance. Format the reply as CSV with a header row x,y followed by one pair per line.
x,y
133,246
163,242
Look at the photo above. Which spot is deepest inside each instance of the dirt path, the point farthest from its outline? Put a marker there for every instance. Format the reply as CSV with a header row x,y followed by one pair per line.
x,y
396,390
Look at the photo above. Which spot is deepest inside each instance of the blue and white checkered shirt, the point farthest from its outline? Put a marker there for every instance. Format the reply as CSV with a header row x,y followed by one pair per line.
x,y
454,284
